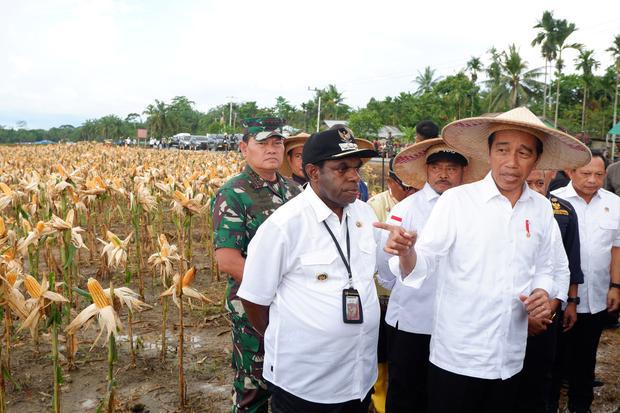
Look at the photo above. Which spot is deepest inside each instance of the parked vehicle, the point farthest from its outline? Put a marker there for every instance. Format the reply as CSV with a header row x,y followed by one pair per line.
x,y
200,142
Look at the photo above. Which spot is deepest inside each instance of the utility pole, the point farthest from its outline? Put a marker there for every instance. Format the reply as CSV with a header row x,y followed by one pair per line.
x,y
318,112
230,110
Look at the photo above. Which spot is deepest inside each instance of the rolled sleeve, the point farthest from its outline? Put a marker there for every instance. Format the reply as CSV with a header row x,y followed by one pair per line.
x,y
416,277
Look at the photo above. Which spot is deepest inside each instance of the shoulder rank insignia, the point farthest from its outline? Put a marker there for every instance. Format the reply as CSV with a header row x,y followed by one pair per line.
x,y
555,204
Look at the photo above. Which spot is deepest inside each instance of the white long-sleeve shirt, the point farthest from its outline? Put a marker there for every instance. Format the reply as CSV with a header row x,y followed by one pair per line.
x,y
490,253
411,308
599,232
294,267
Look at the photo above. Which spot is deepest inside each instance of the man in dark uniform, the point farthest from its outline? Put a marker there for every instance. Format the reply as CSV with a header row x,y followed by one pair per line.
x,y
545,340
240,207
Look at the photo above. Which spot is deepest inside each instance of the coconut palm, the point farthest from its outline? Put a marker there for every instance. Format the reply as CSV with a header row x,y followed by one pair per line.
x,y
545,39
160,120
426,80
563,29
615,52
494,74
586,63
474,65
516,83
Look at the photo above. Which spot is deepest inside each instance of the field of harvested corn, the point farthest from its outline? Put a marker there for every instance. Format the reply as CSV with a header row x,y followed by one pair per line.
x,y
110,299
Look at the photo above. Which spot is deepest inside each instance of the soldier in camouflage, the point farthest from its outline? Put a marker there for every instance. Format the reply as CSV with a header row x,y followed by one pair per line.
x,y
239,208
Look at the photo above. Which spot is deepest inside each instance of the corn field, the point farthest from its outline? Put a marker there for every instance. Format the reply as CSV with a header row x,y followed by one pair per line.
x,y
110,296
113,243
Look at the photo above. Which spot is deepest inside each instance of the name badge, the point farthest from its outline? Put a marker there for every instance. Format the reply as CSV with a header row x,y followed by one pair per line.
x,y
352,307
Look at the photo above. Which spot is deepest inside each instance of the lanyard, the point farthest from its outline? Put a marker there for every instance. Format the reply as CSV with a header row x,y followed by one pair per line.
x,y
344,260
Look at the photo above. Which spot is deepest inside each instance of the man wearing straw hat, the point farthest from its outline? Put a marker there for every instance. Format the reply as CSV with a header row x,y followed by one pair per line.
x,y
490,243
291,165
434,166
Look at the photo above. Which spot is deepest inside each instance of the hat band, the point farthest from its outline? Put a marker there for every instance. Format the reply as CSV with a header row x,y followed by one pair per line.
x,y
532,131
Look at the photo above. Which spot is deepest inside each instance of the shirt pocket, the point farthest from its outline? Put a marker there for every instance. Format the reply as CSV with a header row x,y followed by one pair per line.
x,y
368,251
609,224
322,272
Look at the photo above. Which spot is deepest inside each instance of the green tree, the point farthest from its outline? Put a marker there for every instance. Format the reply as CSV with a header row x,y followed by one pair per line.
x,y
474,65
283,109
365,123
159,121
516,83
545,38
586,63
494,75
615,52
563,30
425,81
110,127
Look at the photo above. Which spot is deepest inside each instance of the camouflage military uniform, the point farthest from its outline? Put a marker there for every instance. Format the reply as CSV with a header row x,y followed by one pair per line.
x,y
239,208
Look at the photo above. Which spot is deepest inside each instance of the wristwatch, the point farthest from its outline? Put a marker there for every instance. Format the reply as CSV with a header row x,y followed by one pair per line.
x,y
614,285
575,300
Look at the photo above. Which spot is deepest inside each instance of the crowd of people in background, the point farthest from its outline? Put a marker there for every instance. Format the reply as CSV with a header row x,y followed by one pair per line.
x,y
480,281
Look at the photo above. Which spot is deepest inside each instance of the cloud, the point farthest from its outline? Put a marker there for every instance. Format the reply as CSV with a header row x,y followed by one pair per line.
x,y
96,57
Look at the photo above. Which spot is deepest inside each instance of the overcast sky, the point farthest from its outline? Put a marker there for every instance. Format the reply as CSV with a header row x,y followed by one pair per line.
x,y
65,61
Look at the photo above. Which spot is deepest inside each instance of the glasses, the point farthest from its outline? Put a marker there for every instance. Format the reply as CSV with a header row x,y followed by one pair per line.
x,y
404,187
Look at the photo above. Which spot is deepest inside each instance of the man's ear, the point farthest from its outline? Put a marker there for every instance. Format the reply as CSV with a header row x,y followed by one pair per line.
x,y
312,171
243,147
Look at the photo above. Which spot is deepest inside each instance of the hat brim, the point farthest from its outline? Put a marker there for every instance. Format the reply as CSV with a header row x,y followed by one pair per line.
x,y
410,164
291,143
560,150
365,152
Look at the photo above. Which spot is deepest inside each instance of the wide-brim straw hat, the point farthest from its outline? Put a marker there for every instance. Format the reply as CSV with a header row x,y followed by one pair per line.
x,y
560,150
291,143
410,163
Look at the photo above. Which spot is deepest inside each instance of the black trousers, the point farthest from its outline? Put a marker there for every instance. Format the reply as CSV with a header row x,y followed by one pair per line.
x,y
577,353
285,402
535,379
454,393
407,371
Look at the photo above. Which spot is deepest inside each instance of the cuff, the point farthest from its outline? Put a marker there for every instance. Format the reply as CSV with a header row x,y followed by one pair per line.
x,y
546,284
415,278
248,296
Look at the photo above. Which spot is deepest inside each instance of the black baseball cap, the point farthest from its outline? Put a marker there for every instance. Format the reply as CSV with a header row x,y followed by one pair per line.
x,y
335,143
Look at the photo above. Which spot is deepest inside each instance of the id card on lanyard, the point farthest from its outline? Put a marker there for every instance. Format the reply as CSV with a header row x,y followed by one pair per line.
x,y
351,303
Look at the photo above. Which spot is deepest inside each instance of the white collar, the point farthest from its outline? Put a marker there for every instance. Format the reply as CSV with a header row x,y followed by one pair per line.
x,y
429,192
570,192
490,190
321,211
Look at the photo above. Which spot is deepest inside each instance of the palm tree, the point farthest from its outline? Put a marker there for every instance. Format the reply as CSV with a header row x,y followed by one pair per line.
x,y
563,29
544,38
494,73
615,52
426,80
516,84
586,63
159,119
474,65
